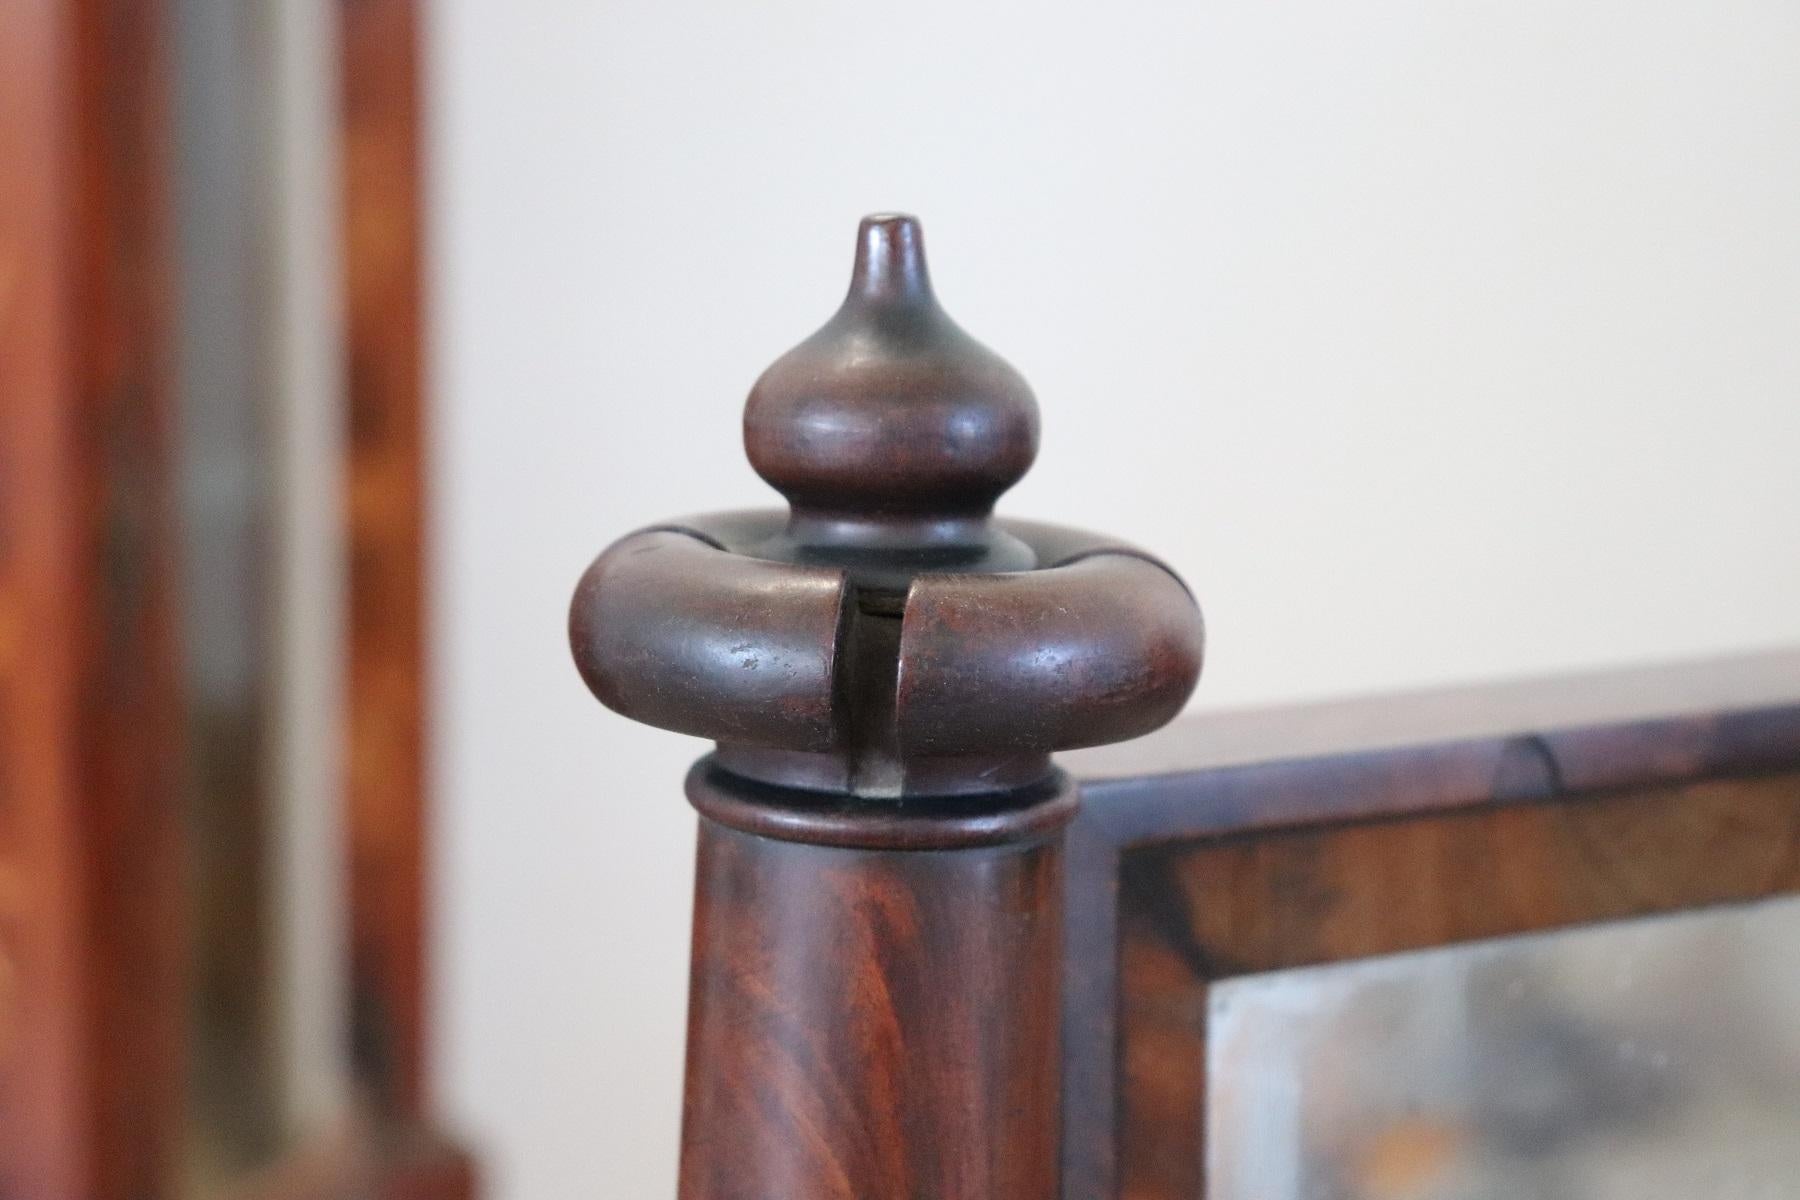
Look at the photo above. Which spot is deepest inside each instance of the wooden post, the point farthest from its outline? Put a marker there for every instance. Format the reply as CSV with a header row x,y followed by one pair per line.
x,y
886,668
381,96
90,748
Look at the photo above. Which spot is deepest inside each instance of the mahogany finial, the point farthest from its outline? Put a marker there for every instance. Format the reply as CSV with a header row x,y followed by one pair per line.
x,y
887,637
890,426
890,260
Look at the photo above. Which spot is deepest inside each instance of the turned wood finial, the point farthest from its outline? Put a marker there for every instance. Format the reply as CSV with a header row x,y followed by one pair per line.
x,y
887,638
890,426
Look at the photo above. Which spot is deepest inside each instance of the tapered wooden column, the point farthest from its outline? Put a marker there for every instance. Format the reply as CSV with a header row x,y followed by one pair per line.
x,y
886,669
873,1022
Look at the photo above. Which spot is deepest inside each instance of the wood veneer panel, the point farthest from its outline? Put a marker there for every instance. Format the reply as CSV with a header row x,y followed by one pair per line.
x,y
1258,774
1200,911
1493,711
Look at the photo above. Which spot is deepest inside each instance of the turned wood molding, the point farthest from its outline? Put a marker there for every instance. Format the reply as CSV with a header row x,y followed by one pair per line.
x,y
886,669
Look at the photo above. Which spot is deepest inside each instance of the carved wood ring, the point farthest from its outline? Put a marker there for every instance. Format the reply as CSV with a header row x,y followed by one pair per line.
x,y
887,639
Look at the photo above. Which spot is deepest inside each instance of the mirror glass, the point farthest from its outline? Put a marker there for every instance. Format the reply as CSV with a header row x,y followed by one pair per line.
x,y
257,456
1645,1060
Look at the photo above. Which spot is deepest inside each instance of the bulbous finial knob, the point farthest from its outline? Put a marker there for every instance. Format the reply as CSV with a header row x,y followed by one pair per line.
x,y
887,639
890,416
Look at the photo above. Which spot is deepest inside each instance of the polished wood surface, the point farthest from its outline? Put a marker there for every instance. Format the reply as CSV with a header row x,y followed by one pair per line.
x,y
886,668
873,1024
1635,695
1193,915
1192,873
89,736
1330,892
887,635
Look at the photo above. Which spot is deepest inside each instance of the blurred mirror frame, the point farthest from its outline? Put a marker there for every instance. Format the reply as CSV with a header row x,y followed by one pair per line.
x,y
212,808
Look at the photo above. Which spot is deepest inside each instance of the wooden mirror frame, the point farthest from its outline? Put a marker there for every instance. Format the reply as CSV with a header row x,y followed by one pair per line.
x,y
1260,842
895,918
92,945
1238,843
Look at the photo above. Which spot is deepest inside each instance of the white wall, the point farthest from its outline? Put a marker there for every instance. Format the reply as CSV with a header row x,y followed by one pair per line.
x,y
1431,342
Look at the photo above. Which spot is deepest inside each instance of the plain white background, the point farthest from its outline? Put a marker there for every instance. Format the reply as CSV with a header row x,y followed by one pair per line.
x,y
1430,342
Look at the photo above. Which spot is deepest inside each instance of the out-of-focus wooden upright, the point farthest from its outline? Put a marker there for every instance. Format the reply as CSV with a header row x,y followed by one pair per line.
x,y
93,930
89,751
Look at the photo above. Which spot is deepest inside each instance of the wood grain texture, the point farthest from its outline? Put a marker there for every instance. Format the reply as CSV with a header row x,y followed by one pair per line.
x,y
1197,913
1090,1013
385,473
887,638
43,1131
873,1025
89,737
1329,893
1200,875
90,835
1144,940
1634,696
886,670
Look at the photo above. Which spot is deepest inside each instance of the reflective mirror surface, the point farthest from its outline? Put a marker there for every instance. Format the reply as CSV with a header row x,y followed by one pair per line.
x,y
1644,1060
257,453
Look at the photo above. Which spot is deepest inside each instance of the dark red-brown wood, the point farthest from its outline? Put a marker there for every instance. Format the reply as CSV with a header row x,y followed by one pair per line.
x,y
394,1153
1257,841
873,1024
89,741
382,137
388,1149
886,668
91,985
886,635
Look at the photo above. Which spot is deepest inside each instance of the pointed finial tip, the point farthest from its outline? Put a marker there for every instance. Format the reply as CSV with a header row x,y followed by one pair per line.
x,y
890,257
890,408
890,220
